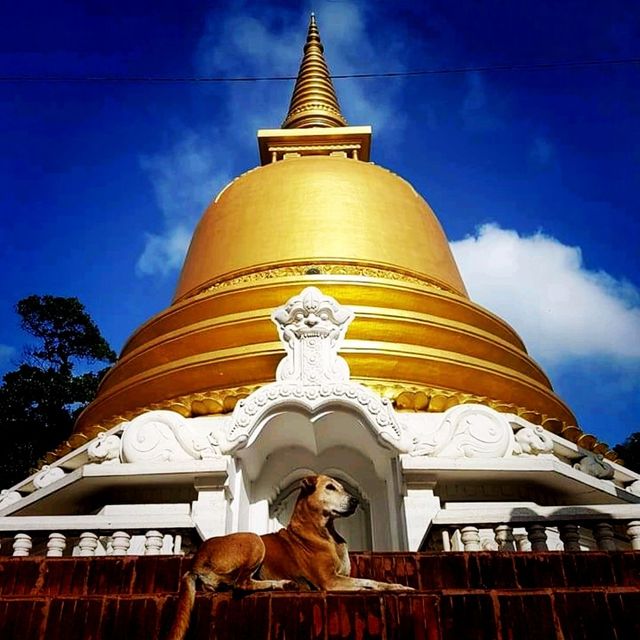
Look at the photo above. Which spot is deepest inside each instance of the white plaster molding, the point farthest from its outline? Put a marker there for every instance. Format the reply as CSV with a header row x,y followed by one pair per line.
x,y
105,449
466,431
634,488
249,414
8,497
311,327
47,475
166,436
533,441
596,466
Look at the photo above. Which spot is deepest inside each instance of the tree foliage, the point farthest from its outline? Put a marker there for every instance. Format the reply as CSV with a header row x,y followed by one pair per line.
x,y
41,399
629,451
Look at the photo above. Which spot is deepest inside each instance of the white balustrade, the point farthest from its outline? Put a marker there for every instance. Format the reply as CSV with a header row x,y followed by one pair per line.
x,y
537,534
633,531
504,537
120,543
470,537
570,536
22,545
88,544
153,543
56,545
604,535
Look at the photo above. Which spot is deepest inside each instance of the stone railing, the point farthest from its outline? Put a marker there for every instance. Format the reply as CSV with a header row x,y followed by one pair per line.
x,y
531,527
58,536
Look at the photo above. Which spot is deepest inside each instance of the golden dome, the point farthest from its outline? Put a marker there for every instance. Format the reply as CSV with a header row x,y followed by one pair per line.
x,y
362,235
318,209
318,214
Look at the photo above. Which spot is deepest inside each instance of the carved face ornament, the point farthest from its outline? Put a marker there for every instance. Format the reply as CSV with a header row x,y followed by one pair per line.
x,y
311,315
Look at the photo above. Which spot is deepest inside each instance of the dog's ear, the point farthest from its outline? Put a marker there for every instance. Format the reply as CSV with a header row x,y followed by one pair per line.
x,y
308,485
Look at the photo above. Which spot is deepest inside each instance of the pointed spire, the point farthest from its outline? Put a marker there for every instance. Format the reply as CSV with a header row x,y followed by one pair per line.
x,y
314,102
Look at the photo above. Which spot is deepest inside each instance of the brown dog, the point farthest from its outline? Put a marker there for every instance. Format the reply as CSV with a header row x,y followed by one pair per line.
x,y
308,552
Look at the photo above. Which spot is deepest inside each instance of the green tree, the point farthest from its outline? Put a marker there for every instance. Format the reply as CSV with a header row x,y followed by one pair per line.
x,y
629,451
41,399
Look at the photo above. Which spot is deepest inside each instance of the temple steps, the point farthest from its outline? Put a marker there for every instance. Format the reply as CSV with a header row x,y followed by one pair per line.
x,y
459,595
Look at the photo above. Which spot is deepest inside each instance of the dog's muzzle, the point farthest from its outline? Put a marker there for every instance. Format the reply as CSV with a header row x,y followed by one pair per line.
x,y
352,505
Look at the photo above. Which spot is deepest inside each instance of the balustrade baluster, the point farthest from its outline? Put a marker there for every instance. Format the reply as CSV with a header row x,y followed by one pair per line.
x,y
88,544
603,532
537,537
152,543
470,537
504,537
56,545
22,545
120,543
570,536
633,531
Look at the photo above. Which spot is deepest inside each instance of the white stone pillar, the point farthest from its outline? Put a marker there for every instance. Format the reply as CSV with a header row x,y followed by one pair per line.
x,y
56,545
153,543
603,533
209,511
120,543
88,544
470,537
504,537
537,537
570,536
22,545
633,531
420,506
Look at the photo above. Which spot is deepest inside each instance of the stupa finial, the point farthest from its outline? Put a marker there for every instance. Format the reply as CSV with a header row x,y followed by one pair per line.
x,y
314,102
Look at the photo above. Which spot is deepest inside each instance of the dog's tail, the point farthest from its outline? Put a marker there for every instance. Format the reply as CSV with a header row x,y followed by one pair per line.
x,y
186,600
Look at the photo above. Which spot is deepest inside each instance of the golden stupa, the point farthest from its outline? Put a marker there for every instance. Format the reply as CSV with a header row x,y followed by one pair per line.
x,y
318,212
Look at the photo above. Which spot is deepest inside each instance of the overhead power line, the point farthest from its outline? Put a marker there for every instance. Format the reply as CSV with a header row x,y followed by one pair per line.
x,y
343,76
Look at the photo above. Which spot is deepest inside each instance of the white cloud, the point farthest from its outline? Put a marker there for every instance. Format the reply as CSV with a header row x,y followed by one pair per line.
x,y
236,43
184,180
561,309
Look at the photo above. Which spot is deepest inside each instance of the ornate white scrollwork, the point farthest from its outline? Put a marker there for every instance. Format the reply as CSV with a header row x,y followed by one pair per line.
x,y
467,431
532,441
165,436
8,497
249,413
312,328
596,466
47,475
104,449
312,376
634,487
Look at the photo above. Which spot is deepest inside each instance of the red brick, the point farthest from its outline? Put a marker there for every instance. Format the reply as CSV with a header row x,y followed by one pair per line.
x,y
22,619
301,617
492,571
526,617
583,615
625,610
539,570
587,569
468,617
354,616
145,573
626,568
408,616
168,574
443,571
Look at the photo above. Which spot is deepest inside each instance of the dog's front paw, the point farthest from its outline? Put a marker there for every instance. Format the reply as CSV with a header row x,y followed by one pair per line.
x,y
394,586
288,585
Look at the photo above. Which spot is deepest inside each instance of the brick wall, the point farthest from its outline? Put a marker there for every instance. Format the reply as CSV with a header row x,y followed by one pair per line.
x,y
480,595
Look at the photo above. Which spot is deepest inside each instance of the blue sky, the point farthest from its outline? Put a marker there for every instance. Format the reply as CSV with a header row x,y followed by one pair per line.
x,y
533,174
